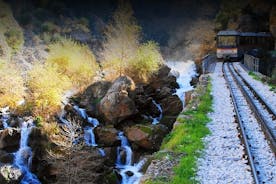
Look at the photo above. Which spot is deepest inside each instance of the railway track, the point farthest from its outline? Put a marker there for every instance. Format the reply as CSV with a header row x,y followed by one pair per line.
x,y
256,130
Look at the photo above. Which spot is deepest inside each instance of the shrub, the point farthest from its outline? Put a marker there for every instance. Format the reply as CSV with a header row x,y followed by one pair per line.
x,y
12,88
46,89
146,62
273,76
74,60
14,38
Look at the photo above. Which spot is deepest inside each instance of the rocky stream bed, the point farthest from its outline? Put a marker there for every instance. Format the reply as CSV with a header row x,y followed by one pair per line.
x,y
112,127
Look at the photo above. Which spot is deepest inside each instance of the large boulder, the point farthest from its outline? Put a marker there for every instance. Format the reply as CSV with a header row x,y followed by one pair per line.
x,y
148,137
93,95
117,104
171,107
10,174
10,139
106,136
163,78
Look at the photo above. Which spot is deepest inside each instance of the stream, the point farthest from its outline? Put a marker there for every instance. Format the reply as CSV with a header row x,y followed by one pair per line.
x,y
23,157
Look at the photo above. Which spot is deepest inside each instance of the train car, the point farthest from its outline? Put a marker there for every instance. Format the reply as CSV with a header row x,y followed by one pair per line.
x,y
231,45
227,45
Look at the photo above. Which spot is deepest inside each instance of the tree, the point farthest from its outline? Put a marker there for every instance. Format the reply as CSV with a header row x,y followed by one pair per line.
x,y
122,37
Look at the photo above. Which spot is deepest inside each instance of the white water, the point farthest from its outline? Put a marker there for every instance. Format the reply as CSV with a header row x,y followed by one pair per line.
x,y
89,136
157,119
127,166
23,157
5,117
184,71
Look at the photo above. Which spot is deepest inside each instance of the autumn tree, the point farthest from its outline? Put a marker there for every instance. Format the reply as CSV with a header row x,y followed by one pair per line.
x,y
121,41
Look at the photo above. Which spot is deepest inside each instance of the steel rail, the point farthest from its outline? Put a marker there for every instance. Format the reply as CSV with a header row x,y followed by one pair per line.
x,y
242,129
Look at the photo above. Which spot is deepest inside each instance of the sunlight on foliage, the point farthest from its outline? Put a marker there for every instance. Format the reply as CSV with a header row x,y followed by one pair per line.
x,y
122,41
74,60
123,54
46,87
12,87
146,62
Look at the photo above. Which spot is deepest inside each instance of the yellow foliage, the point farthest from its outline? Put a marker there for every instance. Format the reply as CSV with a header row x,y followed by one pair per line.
x,y
12,87
46,86
74,60
147,61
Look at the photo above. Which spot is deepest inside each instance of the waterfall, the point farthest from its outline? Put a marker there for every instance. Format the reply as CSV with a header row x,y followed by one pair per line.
x,y
89,136
157,119
5,117
23,157
183,71
127,167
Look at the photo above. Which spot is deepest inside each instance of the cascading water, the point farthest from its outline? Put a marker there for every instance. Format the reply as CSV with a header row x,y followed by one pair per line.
x,y
23,157
127,167
5,117
89,136
183,71
156,120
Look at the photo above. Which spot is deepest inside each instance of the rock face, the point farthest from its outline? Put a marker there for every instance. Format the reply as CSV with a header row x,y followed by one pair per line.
x,y
148,137
117,104
9,139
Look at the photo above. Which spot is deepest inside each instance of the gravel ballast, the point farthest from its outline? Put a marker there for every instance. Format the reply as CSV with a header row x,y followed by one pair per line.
x,y
261,88
222,160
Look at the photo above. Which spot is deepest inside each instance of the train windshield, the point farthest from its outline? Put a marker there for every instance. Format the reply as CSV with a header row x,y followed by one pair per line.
x,y
227,41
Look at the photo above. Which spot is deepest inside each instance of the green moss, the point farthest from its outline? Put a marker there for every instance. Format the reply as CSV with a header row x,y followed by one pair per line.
x,y
144,128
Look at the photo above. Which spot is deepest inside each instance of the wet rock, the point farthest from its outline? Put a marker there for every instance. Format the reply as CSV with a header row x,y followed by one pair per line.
x,y
146,136
194,81
6,157
146,106
163,78
171,107
164,92
106,136
10,139
117,104
10,174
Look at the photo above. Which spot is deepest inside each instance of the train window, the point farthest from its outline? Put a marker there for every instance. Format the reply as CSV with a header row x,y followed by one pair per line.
x,y
228,41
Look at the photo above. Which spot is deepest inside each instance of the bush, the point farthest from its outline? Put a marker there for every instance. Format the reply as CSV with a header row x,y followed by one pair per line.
x,y
146,62
12,88
273,77
74,60
46,86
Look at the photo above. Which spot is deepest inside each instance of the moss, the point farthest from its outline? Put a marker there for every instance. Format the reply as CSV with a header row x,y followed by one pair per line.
x,y
146,129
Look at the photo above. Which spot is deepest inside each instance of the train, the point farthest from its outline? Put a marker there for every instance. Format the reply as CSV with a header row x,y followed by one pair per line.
x,y
231,44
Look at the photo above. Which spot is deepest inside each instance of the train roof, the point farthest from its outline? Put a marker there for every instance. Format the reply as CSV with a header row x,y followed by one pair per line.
x,y
260,34
228,33
237,33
